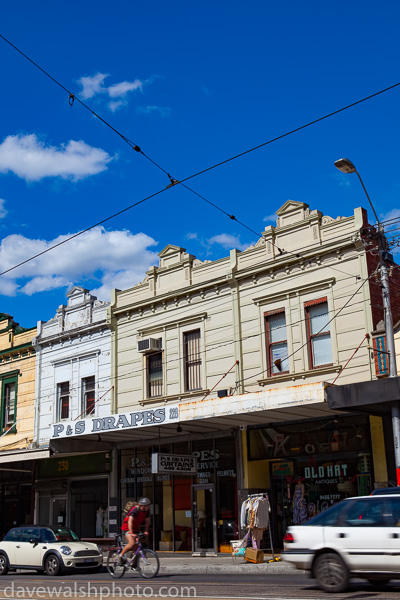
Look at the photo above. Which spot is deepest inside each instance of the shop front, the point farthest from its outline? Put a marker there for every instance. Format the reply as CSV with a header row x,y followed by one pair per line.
x,y
195,512
73,491
309,466
16,497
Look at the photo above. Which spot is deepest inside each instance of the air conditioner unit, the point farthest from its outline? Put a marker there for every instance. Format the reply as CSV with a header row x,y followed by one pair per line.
x,y
149,345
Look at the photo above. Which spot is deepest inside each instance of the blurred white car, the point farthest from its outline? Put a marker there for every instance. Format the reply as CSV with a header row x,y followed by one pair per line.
x,y
49,549
359,537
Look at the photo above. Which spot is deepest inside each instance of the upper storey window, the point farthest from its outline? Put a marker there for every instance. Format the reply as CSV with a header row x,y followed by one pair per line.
x,y
318,333
191,343
155,374
277,348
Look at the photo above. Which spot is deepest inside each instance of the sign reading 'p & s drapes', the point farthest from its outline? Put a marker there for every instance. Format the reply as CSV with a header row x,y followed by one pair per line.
x,y
173,463
117,422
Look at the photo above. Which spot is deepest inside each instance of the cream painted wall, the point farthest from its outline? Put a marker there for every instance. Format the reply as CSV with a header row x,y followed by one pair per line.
x,y
16,353
226,299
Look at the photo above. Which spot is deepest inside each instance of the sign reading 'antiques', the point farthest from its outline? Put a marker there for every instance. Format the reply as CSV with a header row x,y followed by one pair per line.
x,y
173,463
143,418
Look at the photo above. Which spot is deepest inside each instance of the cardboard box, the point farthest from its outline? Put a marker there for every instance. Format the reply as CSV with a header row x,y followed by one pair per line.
x,y
254,556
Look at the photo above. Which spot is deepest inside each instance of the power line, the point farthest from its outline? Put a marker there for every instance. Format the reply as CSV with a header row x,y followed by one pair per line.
x,y
174,181
322,328
131,144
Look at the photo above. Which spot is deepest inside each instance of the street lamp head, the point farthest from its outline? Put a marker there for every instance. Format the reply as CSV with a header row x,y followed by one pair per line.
x,y
345,165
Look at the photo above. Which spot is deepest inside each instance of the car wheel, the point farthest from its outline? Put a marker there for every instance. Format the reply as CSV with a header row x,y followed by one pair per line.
x,y
331,572
3,565
52,565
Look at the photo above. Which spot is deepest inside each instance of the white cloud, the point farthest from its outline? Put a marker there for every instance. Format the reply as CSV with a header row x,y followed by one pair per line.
x,y
270,218
227,241
3,211
119,90
116,104
110,258
44,284
29,158
392,214
92,85
191,236
146,110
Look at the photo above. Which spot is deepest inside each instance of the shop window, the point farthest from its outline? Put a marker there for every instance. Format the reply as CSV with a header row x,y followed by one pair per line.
x,y
88,394
155,374
277,349
191,342
9,404
318,333
63,400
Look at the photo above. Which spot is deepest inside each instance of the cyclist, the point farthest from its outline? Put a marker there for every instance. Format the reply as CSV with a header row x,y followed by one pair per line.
x,y
138,514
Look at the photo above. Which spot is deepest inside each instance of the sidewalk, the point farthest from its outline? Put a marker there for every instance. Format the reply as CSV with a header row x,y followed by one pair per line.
x,y
180,563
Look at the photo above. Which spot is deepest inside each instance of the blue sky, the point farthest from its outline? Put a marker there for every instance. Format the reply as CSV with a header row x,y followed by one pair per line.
x,y
191,83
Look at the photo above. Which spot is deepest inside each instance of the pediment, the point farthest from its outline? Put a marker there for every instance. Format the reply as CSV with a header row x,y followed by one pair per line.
x,y
76,291
291,206
171,250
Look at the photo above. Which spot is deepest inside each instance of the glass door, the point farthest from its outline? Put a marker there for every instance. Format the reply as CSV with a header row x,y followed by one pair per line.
x,y
204,519
58,512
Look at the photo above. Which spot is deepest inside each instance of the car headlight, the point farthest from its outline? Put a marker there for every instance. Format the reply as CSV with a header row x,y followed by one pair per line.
x,y
66,550
99,549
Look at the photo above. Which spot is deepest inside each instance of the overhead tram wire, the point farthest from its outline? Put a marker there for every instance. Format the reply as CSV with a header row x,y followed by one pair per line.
x,y
173,180
322,328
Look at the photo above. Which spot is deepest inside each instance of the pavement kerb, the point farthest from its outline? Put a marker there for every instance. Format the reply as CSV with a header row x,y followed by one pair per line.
x,y
220,564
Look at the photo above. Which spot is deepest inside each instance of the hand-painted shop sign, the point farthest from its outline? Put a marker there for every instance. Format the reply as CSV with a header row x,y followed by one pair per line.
x,y
117,422
173,463
325,471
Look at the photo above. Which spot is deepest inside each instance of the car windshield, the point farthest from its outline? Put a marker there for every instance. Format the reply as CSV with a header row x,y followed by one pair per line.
x,y
64,534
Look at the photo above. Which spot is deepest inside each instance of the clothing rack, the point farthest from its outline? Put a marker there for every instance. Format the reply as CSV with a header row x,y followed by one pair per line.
x,y
265,495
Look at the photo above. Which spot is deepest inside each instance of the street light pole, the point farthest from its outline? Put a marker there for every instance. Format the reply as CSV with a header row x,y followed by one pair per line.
x,y
346,166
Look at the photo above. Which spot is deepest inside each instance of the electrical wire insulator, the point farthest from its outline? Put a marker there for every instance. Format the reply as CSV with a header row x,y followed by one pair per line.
x,y
71,99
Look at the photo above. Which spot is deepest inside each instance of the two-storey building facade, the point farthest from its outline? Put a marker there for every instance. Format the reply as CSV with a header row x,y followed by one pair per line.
x,y
17,406
73,383
227,361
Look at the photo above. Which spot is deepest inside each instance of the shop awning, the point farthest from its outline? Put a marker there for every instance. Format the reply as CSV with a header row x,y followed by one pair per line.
x,y
208,417
373,397
20,455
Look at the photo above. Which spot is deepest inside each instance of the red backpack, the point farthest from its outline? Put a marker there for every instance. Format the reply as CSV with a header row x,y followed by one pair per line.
x,y
132,513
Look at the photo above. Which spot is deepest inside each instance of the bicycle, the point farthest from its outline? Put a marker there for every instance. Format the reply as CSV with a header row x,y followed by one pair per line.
x,y
144,560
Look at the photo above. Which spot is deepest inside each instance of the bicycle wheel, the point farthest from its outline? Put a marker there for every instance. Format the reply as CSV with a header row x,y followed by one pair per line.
x,y
147,563
116,570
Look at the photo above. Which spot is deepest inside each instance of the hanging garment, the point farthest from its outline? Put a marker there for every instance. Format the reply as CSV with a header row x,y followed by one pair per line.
x,y
256,535
262,517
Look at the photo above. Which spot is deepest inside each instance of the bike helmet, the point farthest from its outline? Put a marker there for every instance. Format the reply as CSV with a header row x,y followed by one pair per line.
x,y
144,502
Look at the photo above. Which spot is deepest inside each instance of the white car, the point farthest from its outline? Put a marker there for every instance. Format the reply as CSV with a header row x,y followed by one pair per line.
x,y
358,537
49,549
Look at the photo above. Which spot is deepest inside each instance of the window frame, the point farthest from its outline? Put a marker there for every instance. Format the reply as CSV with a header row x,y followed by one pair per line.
x,y
60,395
88,407
193,362
149,358
6,381
269,345
310,337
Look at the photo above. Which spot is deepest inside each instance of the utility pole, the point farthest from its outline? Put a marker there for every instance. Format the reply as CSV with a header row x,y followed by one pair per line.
x,y
346,166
